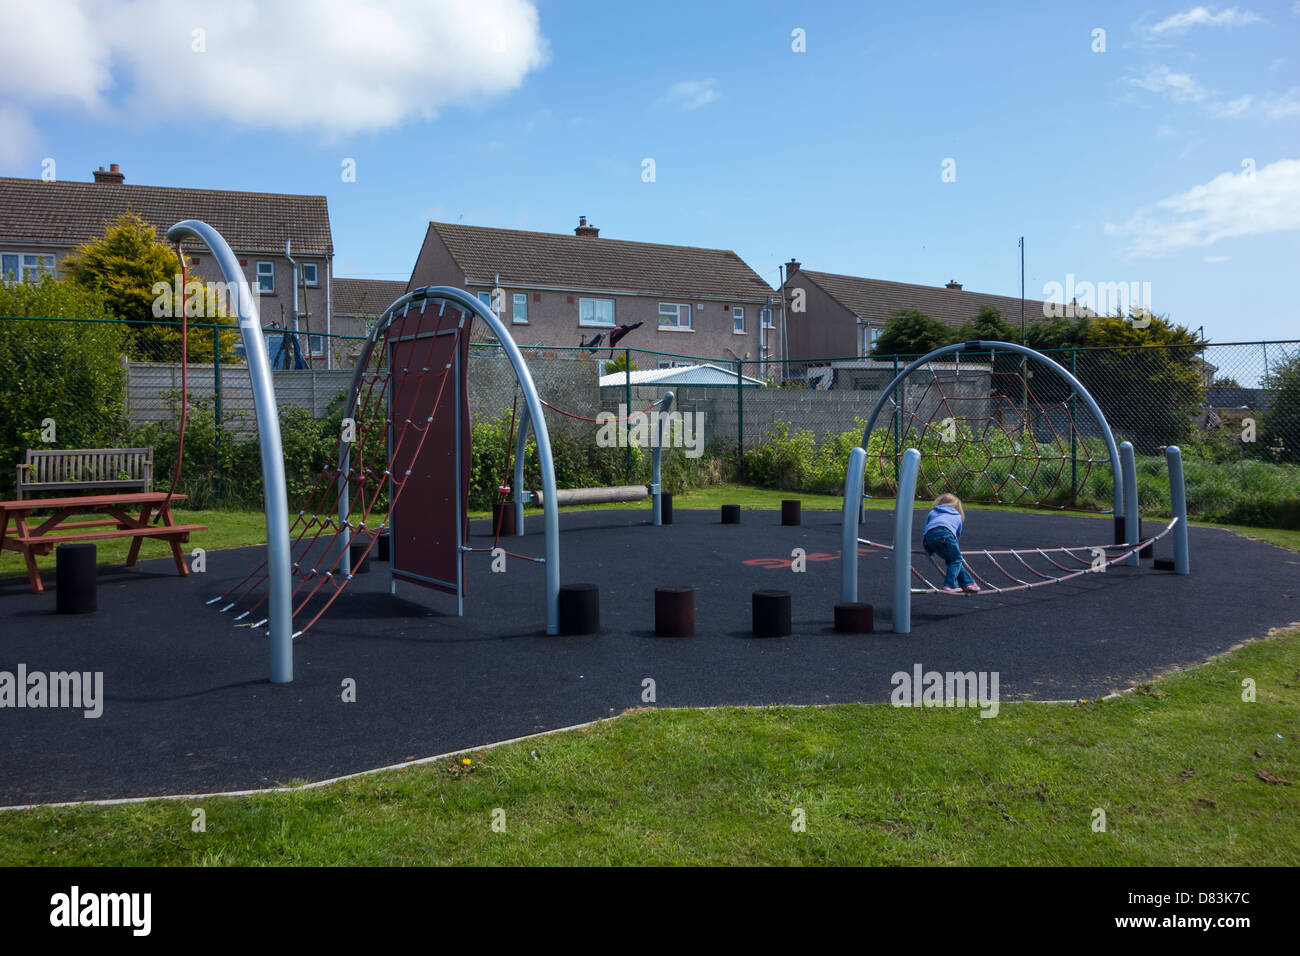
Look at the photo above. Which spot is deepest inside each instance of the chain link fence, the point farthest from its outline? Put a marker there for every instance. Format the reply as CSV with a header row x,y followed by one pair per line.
x,y
101,384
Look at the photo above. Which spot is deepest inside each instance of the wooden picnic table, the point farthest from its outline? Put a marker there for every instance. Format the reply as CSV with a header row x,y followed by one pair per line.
x,y
30,538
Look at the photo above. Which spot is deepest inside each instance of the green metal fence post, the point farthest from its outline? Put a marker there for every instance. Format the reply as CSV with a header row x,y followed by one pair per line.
x,y
898,422
740,418
627,391
1074,433
216,387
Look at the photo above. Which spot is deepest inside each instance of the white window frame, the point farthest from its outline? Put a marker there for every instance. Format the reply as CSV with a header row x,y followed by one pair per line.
x,y
314,279
765,318
311,346
738,319
516,299
29,265
265,281
675,310
593,322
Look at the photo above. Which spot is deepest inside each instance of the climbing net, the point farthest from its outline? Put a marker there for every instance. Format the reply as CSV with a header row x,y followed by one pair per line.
x,y
1040,566
369,470
994,427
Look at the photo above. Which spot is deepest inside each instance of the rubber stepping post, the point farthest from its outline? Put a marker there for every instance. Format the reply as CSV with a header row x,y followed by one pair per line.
x,y
360,560
1164,564
771,612
579,607
382,553
74,578
665,507
853,617
675,612
503,520
790,512
731,514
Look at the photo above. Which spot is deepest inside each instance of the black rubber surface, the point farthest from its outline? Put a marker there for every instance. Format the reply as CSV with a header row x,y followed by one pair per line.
x,y
188,706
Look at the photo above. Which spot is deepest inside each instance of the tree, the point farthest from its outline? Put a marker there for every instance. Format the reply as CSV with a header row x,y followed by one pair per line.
x,y
1149,395
1280,427
987,326
69,373
128,268
912,332
620,364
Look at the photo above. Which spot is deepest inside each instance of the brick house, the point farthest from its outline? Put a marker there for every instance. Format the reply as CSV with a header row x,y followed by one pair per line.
x,y
560,289
842,316
41,223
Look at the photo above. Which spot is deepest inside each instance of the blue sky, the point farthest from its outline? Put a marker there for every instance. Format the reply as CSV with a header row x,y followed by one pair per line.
x,y
1171,158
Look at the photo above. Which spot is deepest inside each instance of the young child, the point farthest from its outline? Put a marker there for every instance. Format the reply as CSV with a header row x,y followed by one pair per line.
x,y
942,529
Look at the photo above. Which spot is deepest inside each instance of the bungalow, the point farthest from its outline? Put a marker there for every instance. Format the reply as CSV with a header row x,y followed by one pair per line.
x,y
565,290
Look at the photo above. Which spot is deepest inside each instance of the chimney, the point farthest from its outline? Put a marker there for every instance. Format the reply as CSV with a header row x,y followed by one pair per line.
x,y
111,175
791,268
584,229
953,284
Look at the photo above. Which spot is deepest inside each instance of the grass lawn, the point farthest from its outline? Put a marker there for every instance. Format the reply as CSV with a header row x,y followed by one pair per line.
x,y
1185,772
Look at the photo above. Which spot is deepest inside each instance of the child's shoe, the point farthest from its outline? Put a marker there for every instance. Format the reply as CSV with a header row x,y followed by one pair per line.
x,y
952,590
972,589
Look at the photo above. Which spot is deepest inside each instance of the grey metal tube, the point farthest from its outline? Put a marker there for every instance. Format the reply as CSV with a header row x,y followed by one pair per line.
x,y
275,494
1117,495
665,404
903,541
849,531
1132,530
522,497
1178,503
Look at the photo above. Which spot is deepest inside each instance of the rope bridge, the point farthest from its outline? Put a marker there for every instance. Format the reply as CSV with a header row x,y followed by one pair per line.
x,y
1115,553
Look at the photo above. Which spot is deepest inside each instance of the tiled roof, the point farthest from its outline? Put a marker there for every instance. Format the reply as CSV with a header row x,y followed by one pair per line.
x,y
612,265
876,299
70,213
350,297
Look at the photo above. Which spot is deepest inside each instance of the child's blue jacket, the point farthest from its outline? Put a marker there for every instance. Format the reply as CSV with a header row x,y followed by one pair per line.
x,y
944,516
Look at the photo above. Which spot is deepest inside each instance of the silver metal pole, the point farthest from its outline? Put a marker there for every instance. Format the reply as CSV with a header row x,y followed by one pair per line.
x,y
849,532
903,541
665,404
1178,503
522,496
1132,529
275,494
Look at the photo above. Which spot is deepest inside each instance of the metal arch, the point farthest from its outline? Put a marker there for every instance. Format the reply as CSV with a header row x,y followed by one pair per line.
x,y
1117,481
275,493
533,410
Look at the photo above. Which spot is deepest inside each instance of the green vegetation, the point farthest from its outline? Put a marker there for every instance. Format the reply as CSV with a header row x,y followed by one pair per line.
x,y
1186,773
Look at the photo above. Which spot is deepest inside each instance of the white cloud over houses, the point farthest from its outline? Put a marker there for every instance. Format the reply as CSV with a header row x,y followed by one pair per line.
x,y
1180,23
1231,205
332,66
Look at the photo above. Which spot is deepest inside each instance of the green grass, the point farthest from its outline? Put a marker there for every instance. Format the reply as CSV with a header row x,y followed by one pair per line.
x,y
1185,771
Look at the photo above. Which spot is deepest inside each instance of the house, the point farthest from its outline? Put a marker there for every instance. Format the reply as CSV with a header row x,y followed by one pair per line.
x,y
564,290
705,375
838,316
42,222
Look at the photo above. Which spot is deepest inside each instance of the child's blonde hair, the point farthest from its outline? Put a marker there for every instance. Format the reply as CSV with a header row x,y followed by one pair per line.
x,y
950,499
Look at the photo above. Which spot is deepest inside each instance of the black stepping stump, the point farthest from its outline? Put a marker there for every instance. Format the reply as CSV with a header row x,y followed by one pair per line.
x,y
1147,552
675,612
771,614
731,514
360,560
382,553
854,618
665,507
579,609
1164,564
1121,535
503,519
74,579
790,512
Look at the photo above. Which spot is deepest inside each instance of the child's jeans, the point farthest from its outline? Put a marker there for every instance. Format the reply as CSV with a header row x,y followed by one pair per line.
x,y
942,542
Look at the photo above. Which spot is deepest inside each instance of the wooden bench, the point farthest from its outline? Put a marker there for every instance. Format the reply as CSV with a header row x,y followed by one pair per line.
x,y
89,469
41,539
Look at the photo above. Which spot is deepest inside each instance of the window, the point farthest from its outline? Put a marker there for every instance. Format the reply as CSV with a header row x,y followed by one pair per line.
x,y
674,316
521,309
765,318
738,320
309,273
596,312
266,278
26,267
486,299
316,344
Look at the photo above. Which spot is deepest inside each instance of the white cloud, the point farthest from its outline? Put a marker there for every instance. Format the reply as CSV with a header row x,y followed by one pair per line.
x,y
692,94
1217,259
1183,89
332,66
1283,105
1230,205
1179,87
17,138
1180,23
